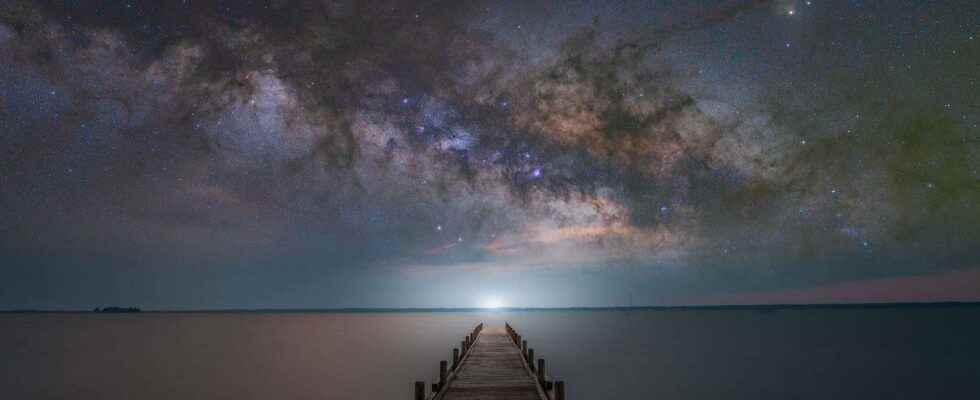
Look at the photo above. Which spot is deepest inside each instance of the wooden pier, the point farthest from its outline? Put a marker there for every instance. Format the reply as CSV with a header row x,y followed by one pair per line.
x,y
493,365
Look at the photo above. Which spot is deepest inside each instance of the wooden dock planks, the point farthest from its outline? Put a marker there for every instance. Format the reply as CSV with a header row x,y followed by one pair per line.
x,y
493,369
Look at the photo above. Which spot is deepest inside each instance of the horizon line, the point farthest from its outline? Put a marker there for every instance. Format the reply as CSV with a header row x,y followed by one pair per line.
x,y
760,306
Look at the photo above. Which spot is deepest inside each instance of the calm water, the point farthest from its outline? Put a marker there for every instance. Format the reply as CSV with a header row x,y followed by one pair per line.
x,y
735,354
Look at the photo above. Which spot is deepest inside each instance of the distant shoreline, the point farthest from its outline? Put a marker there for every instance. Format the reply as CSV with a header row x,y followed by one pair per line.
x,y
367,310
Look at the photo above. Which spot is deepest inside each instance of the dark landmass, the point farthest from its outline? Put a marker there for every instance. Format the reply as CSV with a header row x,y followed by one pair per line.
x,y
117,310
757,307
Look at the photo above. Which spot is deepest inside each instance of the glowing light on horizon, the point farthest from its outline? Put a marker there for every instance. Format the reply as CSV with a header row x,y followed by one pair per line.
x,y
492,303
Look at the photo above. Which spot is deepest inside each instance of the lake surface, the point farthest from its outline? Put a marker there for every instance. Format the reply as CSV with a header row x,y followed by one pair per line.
x,y
913,353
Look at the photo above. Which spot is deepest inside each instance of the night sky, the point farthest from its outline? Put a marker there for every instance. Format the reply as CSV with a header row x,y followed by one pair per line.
x,y
319,153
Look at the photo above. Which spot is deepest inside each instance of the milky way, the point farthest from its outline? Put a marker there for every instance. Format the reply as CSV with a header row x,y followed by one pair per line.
x,y
701,149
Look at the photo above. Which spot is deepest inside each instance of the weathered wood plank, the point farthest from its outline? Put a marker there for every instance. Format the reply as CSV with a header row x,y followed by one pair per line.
x,y
494,369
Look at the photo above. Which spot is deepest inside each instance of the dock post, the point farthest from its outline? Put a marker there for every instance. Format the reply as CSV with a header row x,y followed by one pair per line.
x,y
541,371
560,390
524,348
530,358
419,390
462,347
442,373
455,358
